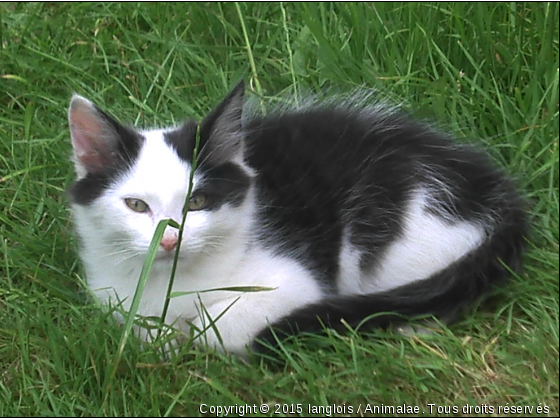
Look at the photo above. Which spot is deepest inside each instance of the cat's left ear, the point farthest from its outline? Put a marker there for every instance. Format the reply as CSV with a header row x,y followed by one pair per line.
x,y
222,131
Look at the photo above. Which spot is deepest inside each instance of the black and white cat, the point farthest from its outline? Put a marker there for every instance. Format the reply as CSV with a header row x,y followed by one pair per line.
x,y
345,211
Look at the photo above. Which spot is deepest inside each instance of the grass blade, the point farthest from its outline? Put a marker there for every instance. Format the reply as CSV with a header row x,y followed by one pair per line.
x,y
129,321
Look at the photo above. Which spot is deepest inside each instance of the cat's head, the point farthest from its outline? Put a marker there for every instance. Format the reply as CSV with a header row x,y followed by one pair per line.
x,y
128,180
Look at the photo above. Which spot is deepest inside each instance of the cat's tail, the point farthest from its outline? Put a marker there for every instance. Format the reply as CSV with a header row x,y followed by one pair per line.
x,y
443,295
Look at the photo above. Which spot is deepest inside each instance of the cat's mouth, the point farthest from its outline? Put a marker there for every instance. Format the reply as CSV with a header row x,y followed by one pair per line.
x,y
166,256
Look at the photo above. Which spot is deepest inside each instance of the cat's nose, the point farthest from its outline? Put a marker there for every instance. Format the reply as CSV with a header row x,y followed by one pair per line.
x,y
169,241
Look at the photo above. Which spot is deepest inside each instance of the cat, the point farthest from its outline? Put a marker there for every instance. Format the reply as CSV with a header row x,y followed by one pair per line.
x,y
340,211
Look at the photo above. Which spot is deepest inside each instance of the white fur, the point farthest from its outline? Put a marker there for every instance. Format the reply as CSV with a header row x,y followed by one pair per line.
x,y
115,241
428,245
349,275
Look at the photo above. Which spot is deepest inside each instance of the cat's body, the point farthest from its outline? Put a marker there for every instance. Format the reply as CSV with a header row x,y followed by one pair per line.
x,y
345,212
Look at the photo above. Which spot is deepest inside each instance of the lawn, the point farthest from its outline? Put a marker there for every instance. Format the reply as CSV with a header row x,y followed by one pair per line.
x,y
486,71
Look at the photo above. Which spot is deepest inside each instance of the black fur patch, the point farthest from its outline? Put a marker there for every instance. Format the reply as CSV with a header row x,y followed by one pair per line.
x,y
227,183
223,183
183,140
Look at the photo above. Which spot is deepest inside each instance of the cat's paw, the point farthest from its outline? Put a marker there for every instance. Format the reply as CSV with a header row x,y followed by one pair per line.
x,y
205,334
220,333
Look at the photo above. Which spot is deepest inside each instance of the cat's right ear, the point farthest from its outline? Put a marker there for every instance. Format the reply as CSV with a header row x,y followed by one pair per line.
x,y
94,136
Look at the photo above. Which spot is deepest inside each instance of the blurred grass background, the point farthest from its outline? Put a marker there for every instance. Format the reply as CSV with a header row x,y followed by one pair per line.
x,y
485,71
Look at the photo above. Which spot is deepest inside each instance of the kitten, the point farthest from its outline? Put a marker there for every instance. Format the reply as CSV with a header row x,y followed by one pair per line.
x,y
343,211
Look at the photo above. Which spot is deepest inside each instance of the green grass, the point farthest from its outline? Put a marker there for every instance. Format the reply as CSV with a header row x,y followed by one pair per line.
x,y
484,70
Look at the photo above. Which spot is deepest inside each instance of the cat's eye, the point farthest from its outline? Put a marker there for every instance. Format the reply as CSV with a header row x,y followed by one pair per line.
x,y
197,202
136,205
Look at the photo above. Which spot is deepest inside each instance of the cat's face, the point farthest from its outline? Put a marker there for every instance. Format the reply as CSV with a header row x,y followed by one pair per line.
x,y
128,181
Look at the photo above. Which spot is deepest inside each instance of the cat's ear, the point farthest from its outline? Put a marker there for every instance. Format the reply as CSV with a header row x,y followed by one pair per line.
x,y
94,136
221,131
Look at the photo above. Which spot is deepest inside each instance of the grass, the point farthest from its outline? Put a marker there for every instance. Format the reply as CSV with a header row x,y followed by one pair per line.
x,y
483,70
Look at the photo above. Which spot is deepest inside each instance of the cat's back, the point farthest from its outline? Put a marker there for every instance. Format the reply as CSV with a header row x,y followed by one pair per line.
x,y
343,150
348,152
315,136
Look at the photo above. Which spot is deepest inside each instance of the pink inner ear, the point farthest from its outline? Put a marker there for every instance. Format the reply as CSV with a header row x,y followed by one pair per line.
x,y
89,138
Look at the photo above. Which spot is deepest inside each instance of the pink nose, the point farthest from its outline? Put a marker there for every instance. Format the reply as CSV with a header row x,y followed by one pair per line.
x,y
169,242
